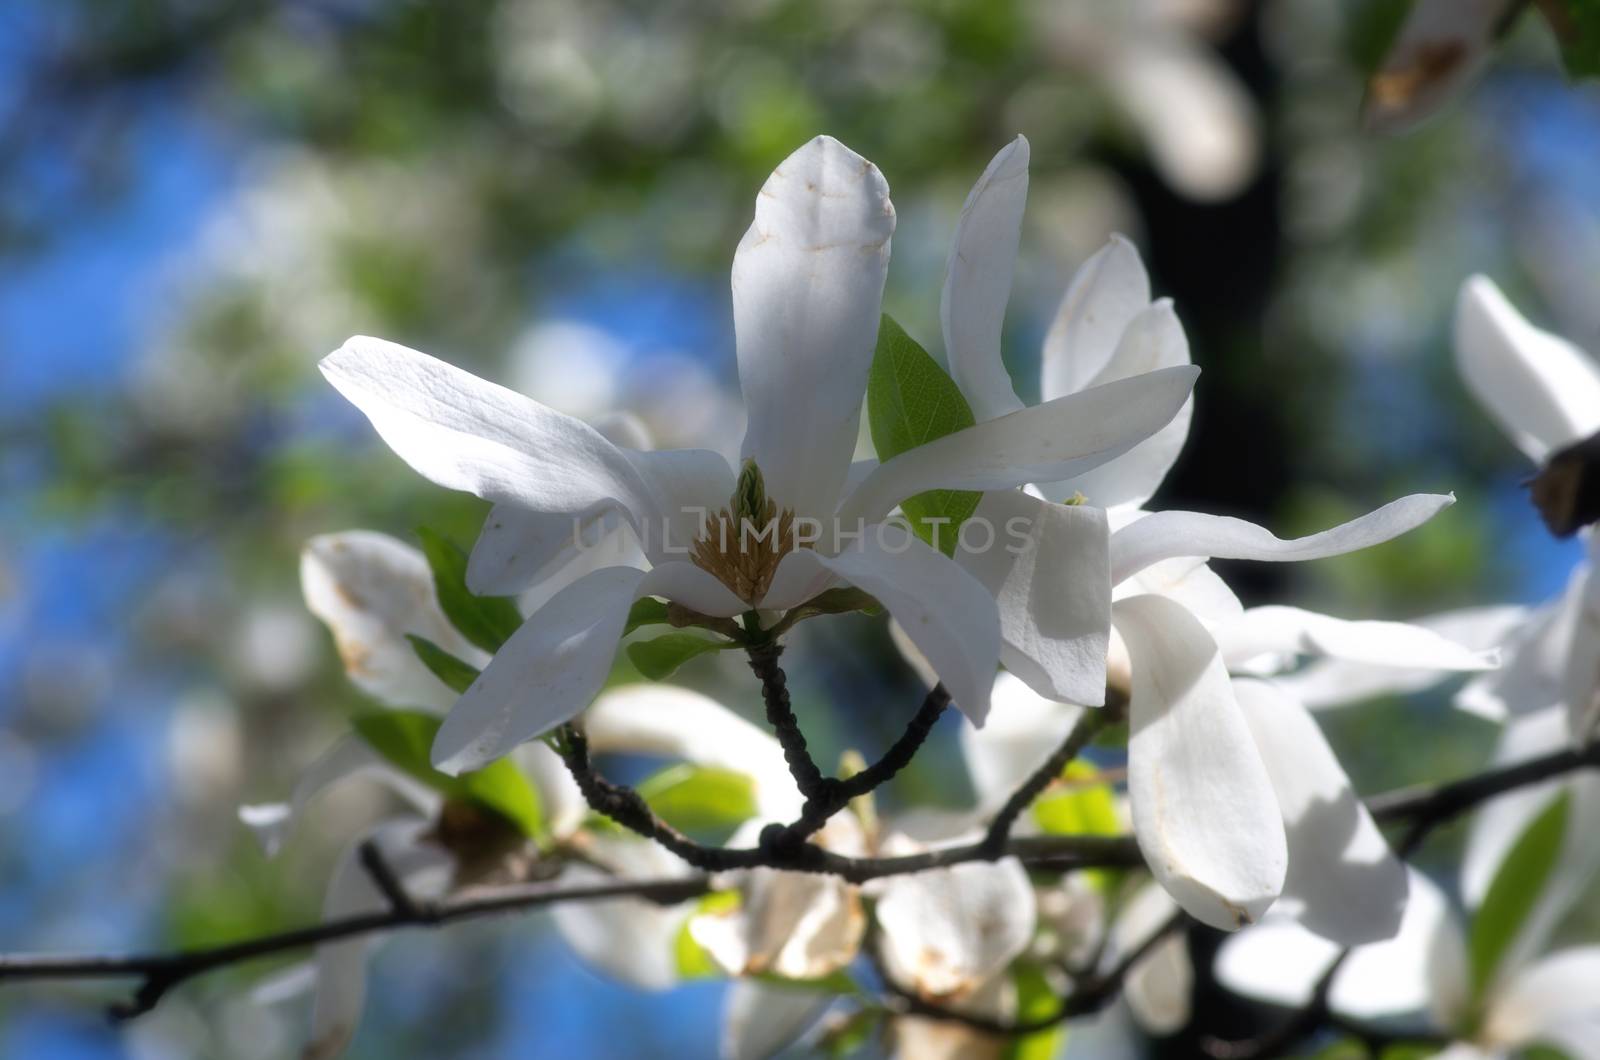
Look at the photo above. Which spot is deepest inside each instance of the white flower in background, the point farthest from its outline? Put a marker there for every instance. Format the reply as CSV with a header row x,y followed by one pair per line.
x,y
1206,805
807,282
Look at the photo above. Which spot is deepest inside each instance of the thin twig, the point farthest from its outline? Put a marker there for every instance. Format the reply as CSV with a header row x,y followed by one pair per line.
x,y
384,878
1090,723
780,715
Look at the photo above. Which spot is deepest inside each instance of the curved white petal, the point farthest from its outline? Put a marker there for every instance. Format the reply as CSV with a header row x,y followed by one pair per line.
x,y
946,612
1056,440
348,758
1203,806
692,484
1344,883
1190,582
1542,390
1441,44
1419,972
1047,567
977,282
1554,991
1022,730
759,1020
464,433
1153,339
1158,986
371,590
655,719
1107,292
1165,535
793,925
807,290
1199,123
1274,630
341,967
947,932
630,939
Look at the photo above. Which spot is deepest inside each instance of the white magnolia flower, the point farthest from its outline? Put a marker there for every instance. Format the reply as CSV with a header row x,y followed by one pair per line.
x,y
1205,808
807,283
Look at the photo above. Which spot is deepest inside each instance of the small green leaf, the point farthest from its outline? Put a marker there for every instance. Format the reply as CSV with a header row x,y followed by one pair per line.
x,y
1035,1001
851,1036
487,621
1082,809
660,658
405,737
910,402
456,674
645,612
692,959
700,798
1515,890
1577,27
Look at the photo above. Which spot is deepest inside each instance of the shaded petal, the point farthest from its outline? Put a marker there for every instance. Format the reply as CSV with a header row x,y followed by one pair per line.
x,y
1203,805
794,925
1158,986
1276,630
630,939
977,282
654,719
1164,535
1154,339
1542,390
1190,582
1199,123
1419,972
807,290
1441,44
1056,440
1343,883
1047,567
1022,730
947,932
946,612
370,590
760,1020
1107,292
464,433
1548,996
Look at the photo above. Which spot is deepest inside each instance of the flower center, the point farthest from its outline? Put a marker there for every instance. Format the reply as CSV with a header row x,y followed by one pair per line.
x,y
742,544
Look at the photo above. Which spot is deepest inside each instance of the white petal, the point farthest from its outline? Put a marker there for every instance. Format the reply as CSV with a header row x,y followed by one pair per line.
x,y
630,939
1106,294
1542,390
1023,730
1164,535
1198,121
1344,883
1203,805
1047,567
1292,631
1158,986
1441,44
793,925
341,975
348,758
654,719
1537,657
977,282
1333,682
1419,972
465,433
1056,440
946,612
1540,998
807,289
1190,582
371,590
1154,339
948,931
760,1020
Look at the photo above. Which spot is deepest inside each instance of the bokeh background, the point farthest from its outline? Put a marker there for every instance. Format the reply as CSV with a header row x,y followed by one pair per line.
x,y
199,198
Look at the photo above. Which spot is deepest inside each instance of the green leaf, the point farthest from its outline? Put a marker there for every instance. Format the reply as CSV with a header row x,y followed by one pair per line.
x,y
659,658
456,674
487,621
1082,809
910,402
645,612
404,738
852,1035
700,798
1515,890
1577,27
1035,1001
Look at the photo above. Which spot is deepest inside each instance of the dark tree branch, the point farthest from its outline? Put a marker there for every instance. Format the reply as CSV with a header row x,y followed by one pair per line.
x,y
1090,723
383,877
780,715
